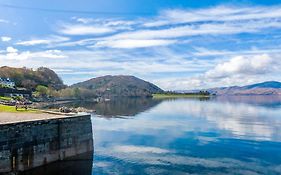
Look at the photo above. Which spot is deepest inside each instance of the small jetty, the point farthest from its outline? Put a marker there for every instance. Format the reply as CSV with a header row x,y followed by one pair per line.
x,y
12,118
29,141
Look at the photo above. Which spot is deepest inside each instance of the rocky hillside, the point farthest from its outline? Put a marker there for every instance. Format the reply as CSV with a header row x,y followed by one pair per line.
x,y
129,86
265,88
29,78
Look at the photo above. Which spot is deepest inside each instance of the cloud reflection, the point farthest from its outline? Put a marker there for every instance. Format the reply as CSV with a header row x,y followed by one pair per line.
x,y
192,136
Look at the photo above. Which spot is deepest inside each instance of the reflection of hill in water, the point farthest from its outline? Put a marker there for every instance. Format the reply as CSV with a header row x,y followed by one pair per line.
x,y
120,106
271,101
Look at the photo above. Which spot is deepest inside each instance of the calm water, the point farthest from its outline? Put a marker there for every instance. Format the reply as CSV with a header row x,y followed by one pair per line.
x,y
235,135
238,135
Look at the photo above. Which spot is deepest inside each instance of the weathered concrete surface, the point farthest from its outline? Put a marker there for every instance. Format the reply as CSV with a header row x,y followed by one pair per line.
x,y
78,165
27,145
7,118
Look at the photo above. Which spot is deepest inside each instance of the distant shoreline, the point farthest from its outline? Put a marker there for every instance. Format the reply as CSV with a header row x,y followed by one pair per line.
x,y
161,96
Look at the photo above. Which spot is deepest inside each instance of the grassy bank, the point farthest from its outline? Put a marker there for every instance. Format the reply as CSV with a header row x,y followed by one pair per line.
x,y
157,96
4,108
5,98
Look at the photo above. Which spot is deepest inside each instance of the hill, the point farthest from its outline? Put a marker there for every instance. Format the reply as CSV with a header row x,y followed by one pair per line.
x,y
29,78
267,84
264,88
121,85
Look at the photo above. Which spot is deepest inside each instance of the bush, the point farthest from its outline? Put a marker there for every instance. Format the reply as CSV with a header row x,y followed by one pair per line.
x,y
42,90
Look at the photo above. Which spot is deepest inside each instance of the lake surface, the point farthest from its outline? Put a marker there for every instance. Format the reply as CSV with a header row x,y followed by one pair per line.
x,y
234,135
223,135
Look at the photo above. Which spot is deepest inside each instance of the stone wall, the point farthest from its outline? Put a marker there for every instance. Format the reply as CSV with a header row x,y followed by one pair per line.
x,y
27,145
10,91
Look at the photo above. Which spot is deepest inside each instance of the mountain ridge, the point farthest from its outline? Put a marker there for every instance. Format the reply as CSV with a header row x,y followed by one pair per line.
x,y
263,88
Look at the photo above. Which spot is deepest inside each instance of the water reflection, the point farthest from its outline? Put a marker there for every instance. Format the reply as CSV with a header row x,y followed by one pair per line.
x,y
217,136
241,119
118,106
270,101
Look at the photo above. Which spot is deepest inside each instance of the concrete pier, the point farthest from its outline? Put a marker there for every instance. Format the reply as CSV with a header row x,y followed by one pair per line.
x,y
12,118
27,145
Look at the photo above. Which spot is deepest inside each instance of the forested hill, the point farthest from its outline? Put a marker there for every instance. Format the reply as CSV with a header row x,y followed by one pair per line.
x,y
105,86
29,78
119,86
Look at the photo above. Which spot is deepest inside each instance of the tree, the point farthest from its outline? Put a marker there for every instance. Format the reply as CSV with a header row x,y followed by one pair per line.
x,y
76,93
42,90
52,92
66,93
86,93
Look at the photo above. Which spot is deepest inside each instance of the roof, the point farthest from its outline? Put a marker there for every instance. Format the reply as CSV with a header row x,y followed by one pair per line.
x,y
6,79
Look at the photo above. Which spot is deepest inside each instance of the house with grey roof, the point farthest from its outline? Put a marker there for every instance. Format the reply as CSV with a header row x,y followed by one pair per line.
x,y
7,82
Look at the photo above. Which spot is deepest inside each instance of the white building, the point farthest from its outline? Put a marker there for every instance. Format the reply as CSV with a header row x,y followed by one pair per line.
x,y
6,82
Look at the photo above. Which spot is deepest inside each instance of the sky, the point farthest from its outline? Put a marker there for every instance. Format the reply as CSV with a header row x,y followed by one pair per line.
x,y
176,44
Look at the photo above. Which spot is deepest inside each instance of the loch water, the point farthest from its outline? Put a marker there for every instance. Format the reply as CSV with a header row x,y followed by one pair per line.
x,y
222,135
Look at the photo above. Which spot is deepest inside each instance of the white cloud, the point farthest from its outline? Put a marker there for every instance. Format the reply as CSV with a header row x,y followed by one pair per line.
x,y
181,83
33,42
11,50
105,22
202,52
215,21
84,20
46,41
50,54
6,38
221,20
173,49
4,21
242,65
199,29
14,54
176,73
179,32
90,63
238,70
119,23
83,42
215,14
77,29
128,44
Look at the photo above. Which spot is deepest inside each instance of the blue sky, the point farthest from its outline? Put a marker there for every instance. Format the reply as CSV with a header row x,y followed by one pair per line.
x,y
175,44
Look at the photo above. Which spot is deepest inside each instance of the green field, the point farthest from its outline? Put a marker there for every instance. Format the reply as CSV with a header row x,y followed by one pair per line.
x,y
4,108
5,98
158,96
